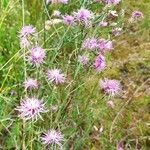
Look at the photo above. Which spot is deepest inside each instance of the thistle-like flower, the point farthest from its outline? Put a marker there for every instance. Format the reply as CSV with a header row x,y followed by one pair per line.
x,y
30,83
111,87
137,14
68,19
30,108
99,62
52,137
26,31
90,43
104,45
112,2
55,76
83,59
83,15
37,55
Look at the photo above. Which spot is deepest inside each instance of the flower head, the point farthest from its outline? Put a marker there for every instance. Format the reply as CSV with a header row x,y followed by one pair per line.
x,y
31,83
103,23
56,13
24,43
30,108
57,1
112,2
116,31
90,43
99,62
52,137
111,87
55,76
27,30
83,15
104,45
37,55
137,14
68,19
83,59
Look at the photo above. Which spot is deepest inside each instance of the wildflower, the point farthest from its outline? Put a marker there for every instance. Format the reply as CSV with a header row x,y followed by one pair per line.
x,y
30,108
90,43
27,30
103,23
104,45
37,55
111,2
111,87
83,15
68,19
24,43
31,83
137,14
55,76
119,146
52,137
56,13
57,1
83,59
99,62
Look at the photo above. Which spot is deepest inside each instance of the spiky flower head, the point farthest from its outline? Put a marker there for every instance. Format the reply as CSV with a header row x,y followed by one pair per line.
x,y
52,137
55,76
30,108
57,1
56,13
27,30
31,83
137,14
112,2
90,43
68,19
104,45
83,59
37,55
111,87
83,15
99,62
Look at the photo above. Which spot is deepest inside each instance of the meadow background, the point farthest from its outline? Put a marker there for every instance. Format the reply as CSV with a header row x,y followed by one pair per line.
x,y
83,117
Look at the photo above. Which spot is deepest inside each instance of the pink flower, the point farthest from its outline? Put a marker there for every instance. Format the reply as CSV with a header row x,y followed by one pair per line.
x,y
137,14
99,62
68,19
90,43
55,76
111,87
31,83
52,137
56,13
103,23
57,1
30,108
104,45
27,30
37,55
83,59
112,2
83,15
119,146
24,43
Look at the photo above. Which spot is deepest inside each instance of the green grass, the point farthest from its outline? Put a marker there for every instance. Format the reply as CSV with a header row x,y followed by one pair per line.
x,y
83,117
